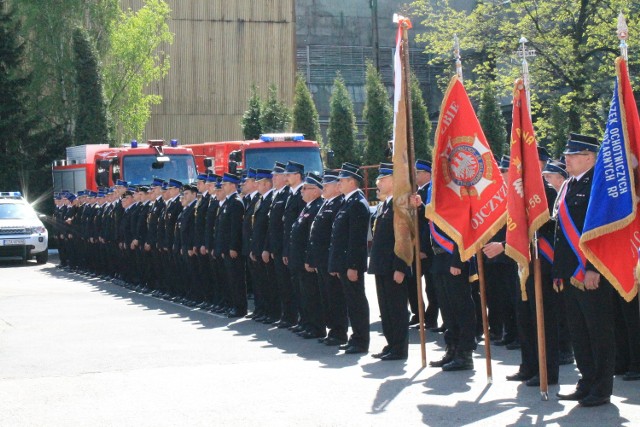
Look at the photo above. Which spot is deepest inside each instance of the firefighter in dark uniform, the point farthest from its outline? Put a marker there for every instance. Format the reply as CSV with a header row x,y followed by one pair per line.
x,y
501,272
273,245
290,296
186,229
231,216
423,179
331,291
267,307
250,189
311,313
201,259
348,256
172,211
213,276
391,273
587,294
152,260
526,310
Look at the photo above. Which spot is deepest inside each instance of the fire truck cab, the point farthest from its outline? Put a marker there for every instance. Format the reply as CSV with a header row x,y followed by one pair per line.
x,y
233,156
98,165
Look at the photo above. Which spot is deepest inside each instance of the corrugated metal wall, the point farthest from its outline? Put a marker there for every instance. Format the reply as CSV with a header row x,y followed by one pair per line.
x,y
220,48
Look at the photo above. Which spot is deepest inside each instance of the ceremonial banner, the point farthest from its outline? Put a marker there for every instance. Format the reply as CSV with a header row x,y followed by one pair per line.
x,y
403,216
469,196
527,207
611,233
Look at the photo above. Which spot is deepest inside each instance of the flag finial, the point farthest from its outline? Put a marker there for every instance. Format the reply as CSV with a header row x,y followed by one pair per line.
x,y
456,55
524,53
623,35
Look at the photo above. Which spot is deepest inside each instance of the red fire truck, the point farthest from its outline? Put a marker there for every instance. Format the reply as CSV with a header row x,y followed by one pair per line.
x,y
220,157
98,165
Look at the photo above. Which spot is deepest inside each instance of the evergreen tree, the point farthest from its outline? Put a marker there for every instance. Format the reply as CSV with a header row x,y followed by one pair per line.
x,y
251,128
491,120
275,116
559,131
422,138
341,134
378,116
305,114
14,120
92,123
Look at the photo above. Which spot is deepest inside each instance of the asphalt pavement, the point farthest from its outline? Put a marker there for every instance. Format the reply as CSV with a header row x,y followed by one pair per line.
x,y
79,351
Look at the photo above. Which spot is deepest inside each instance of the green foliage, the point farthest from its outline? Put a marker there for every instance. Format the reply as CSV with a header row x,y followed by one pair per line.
x,y
378,116
250,122
558,132
492,121
422,138
92,119
14,121
275,115
305,114
342,130
136,58
575,43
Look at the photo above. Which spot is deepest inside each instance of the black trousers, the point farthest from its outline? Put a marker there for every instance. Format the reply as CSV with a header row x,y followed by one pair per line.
x,y
432,310
627,333
590,319
458,310
528,328
502,294
258,279
392,300
357,310
311,309
236,284
283,279
333,304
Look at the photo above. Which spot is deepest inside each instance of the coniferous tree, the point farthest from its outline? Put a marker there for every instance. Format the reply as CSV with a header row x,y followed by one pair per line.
x,y
491,120
251,128
378,116
422,138
275,116
305,114
92,119
14,120
341,134
559,130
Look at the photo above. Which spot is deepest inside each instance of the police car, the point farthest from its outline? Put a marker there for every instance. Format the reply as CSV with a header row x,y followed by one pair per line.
x,y
22,233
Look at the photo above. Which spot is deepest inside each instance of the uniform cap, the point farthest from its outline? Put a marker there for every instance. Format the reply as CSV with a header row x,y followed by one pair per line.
x,y
543,154
229,177
175,183
294,167
349,170
278,168
202,177
578,143
330,175
423,165
555,166
385,169
504,163
313,179
263,174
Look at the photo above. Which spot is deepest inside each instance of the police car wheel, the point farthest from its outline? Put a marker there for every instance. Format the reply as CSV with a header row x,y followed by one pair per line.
x,y
42,257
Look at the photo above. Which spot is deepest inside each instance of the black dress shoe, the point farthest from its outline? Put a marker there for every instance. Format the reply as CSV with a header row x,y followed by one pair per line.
x,y
354,349
519,376
415,319
379,355
394,356
513,345
233,313
307,335
439,330
333,341
631,376
592,400
284,325
268,320
462,361
297,328
344,346
535,381
575,395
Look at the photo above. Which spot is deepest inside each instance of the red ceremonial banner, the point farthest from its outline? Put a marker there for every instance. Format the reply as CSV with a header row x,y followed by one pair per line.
x,y
468,194
527,208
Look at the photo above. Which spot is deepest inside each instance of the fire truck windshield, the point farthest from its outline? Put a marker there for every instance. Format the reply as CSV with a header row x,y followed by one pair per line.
x,y
141,169
263,158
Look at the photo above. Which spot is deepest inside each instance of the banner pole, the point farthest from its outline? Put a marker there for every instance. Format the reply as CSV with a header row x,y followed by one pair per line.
x,y
485,322
542,342
406,79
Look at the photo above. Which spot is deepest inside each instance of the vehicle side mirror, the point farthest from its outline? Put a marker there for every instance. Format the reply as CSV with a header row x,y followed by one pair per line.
x,y
102,173
233,167
209,162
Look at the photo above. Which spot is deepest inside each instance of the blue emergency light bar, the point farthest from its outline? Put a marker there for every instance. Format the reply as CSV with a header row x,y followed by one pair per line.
x,y
174,143
134,143
10,195
272,137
